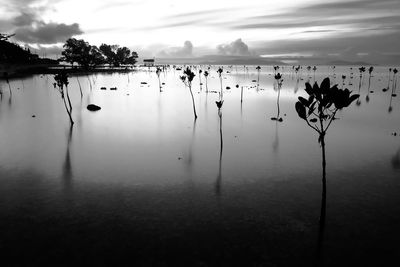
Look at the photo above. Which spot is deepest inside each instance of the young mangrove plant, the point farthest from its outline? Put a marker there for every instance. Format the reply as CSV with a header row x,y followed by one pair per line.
x,y
319,111
206,76
187,79
394,84
200,83
62,82
388,86
361,70
158,72
370,70
258,68
279,81
220,71
219,177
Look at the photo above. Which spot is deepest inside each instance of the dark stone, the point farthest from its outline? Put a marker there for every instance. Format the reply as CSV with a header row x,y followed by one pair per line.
x,y
93,107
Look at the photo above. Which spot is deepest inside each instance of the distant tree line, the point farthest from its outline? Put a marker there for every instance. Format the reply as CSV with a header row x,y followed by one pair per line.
x,y
12,53
90,56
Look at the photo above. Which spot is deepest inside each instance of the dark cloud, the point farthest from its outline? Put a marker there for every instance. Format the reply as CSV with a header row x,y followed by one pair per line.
x,y
178,52
27,24
47,33
236,48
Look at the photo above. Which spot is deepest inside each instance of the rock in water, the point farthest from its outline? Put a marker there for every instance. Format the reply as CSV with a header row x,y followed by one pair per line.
x,y
93,107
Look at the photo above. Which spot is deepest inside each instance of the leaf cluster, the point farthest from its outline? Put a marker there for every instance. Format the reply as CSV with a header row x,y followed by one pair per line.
x,y
322,104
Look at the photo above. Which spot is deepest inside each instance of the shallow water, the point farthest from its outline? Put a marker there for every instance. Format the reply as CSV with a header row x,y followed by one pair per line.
x,y
140,181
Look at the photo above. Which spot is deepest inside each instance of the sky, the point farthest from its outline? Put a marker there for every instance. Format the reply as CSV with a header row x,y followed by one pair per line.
x,y
254,31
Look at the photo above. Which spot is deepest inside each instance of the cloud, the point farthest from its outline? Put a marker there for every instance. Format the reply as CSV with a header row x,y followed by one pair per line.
x,y
185,51
29,27
47,33
236,48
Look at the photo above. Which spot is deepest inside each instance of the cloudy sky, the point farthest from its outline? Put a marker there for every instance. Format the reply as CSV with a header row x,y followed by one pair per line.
x,y
305,30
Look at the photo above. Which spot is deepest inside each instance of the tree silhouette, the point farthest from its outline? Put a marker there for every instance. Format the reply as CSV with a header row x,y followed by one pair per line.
x,y
200,72
187,79
62,82
319,111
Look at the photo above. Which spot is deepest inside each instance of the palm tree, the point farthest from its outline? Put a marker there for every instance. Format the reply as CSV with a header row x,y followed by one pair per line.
x,y
279,81
158,72
187,79
62,81
220,71
319,111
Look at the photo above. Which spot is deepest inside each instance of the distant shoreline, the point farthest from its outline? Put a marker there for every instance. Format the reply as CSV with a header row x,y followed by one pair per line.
x,y
23,70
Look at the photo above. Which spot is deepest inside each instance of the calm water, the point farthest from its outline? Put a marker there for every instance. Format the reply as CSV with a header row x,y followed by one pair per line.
x,y
139,182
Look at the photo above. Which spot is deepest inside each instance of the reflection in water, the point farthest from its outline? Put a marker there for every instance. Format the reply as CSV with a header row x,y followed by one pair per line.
x,y
396,160
219,177
189,161
67,168
321,231
275,144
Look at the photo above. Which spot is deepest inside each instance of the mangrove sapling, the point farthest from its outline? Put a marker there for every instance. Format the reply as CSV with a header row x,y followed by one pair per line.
x,y
158,72
258,76
362,70
343,80
370,70
200,71
279,81
319,111
220,71
62,81
187,79
206,76
394,84
219,177
388,86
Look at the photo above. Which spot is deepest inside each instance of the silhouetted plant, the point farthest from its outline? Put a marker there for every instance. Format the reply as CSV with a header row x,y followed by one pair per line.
x,y
62,81
361,70
258,68
343,80
319,111
206,76
279,81
370,70
219,177
388,86
394,84
200,83
187,79
158,72
220,71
